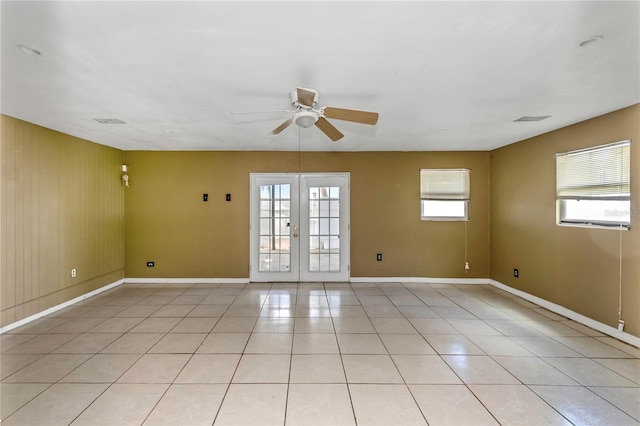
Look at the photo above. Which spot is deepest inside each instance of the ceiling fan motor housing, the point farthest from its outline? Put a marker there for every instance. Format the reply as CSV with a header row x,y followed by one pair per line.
x,y
293,96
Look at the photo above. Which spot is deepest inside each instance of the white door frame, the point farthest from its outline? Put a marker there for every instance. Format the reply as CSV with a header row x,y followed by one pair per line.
x,y
299,229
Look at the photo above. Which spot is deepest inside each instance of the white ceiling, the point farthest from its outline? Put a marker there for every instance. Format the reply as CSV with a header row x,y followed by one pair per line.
x,y
443,75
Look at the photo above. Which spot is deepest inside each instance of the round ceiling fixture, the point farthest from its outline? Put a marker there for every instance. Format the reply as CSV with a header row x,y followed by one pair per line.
x,y
590,41
305,118
28,50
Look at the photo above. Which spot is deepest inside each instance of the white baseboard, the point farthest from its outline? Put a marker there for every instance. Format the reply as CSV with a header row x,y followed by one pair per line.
x,y
187,280
558,309
419,280
56,308
568,313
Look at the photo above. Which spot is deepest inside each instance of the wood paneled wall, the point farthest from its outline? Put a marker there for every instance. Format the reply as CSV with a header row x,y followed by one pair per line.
x,y
62,208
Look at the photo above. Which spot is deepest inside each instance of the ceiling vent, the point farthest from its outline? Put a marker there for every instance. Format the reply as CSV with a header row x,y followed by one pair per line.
x,y
590,41
532,118
109,121
28,50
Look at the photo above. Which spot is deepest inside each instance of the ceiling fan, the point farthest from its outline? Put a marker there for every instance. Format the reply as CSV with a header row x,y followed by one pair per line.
x,y
306,114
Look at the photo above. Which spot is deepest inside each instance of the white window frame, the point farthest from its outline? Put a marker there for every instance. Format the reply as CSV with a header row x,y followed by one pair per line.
x,y
600,178
444,186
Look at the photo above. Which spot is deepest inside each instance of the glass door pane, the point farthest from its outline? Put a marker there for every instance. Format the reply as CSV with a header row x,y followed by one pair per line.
x,y
324,228
275,221
324,240
274,214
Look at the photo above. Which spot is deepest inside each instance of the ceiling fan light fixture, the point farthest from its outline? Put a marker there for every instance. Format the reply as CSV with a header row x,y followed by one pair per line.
x,y
305,118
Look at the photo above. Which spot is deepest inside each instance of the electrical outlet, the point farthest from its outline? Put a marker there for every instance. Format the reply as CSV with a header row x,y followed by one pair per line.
x,y
379,257
516,273
74,273
151,264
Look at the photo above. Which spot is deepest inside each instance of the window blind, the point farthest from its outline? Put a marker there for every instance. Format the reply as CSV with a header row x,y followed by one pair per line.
x,y
601,173
444,184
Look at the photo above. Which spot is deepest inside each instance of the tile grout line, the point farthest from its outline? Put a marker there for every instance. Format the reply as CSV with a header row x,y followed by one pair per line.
x,y
344,370
404,380
367,314
147,353
466,385
235,370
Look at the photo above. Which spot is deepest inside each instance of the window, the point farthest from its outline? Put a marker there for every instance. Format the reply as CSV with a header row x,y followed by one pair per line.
x,y
444,194
593,186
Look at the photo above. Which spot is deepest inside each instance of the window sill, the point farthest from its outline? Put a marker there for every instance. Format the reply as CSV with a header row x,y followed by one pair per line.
x,y
444,219
595,226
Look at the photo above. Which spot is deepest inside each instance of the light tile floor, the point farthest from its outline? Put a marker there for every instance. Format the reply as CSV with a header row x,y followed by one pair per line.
x,y
314,354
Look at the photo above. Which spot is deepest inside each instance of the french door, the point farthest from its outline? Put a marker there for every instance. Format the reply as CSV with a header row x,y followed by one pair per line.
x,y
299,227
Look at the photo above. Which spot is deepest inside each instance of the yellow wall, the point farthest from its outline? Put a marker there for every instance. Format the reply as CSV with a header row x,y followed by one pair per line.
x,y
168,223
62,208
577,268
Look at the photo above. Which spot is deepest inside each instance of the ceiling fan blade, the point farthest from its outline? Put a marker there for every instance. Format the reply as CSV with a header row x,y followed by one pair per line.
x,y
305,97
282,126
328,129
364,117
